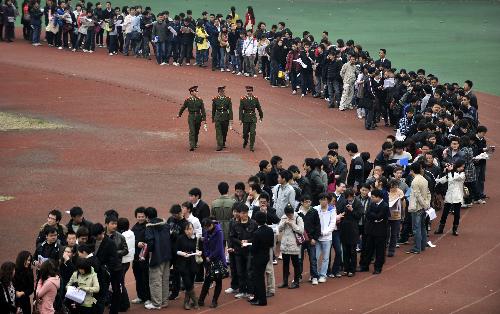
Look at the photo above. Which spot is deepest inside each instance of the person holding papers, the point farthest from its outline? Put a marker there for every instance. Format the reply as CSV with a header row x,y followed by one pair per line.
x,y
187,249
291,225
397,206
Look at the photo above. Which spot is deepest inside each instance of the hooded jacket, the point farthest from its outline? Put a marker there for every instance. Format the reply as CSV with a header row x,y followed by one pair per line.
x,y
158,240
87,283
213,244
47,292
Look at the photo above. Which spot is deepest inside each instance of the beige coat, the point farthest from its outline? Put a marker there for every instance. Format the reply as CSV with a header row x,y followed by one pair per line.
x,y
288,242
420,196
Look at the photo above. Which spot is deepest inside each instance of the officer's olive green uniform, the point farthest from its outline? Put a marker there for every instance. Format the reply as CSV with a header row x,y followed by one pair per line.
x,y
248,104
196,114
222,113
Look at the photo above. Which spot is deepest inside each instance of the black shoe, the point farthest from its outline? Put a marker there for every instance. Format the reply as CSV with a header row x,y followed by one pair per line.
x,y
219,149
269,294
252,149
191,149
173,297
349,274
391,254
213,305
201,303
362,269
258,303
283,285
377,271
244,144
294,285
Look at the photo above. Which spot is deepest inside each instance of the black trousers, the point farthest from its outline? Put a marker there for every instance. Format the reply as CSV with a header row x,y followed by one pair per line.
x,y
286,267
235,283
124,300
116,278
456,213
141,274
206,286
200,271
350,257
259,277
243,269
187,276
175,281
375,245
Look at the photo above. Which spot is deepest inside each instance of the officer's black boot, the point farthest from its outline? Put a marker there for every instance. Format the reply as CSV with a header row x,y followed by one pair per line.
x,y
439,229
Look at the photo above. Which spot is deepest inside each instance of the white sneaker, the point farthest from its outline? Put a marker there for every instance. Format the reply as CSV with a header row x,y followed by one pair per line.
x,y
85,50
255,75
110,53
294,92
359,116
246,74
163,63
239,73
322,279
188,63
314,281
91,51
60,48
241,295
222,70
136,301
151,306
228,70
280,256
230,290
148,302
233,72
275,262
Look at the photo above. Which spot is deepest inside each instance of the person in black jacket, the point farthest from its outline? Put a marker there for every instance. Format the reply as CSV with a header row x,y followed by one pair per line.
x,y
312,226
160,249
376,233
140,265
356,172
24,281
349,232
53,220
242,234
77,220
320,60
186,247
201,210
7,292
316,184
331,72
263,241
306,71
107,253
177,224
49,249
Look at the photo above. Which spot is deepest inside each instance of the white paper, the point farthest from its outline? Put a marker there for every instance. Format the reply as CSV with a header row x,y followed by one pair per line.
x,y
246,244
431,212
482,156
75,294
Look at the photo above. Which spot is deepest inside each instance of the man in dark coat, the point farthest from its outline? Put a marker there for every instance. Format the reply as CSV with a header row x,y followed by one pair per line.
x,y
140,264
107,253
349,232
201,210
263,241
376,233
77,220
160,248
356,169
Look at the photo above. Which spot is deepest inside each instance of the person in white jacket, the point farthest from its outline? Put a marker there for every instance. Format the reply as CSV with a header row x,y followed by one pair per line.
x,y
455,176
327,218
249,51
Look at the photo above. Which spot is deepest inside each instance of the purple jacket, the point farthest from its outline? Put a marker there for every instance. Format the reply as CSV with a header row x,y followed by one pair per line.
x,y
213,244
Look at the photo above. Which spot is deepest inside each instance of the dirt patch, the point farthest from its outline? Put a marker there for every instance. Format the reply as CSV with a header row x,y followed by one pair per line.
x,y
17,122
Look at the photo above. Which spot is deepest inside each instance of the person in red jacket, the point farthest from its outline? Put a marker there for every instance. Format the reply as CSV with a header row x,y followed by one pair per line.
x,y
249,19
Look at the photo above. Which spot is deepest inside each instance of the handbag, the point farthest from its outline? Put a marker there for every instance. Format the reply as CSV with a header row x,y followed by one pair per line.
x,y
75,294
218,271
36,306
198,258
466,192
300,238
198,40
281,74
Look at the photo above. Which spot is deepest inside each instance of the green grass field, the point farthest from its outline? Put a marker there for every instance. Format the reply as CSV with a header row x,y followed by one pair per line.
x,y
455,40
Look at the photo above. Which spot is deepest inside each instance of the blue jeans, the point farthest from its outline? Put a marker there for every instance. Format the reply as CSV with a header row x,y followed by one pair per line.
x,y
419,232
222,58
337,247
160,52
201,56
323,250
233,59
311,252
36,34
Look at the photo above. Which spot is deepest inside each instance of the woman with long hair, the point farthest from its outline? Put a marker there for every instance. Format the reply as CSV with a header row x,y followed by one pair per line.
x,y
224,48
187,249
249,19
24,281
7,291
213,249
47,287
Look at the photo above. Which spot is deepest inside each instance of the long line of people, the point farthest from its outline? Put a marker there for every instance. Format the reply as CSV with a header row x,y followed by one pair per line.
x,y
329,211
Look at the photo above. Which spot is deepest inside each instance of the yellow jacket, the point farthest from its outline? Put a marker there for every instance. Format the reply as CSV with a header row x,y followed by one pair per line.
x,y
202,33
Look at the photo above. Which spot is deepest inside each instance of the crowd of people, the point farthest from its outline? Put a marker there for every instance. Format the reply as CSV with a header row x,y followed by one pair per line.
x,y
331,209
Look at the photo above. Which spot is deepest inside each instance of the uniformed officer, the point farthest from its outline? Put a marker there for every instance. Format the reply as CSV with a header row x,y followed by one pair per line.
x,y
197,114
248,117
222,115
